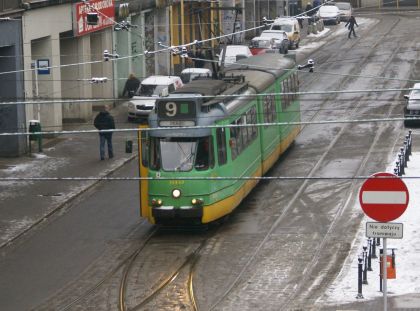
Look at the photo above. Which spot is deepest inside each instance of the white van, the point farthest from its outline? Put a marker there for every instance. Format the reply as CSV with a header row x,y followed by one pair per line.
x,y
140,106
291,26
189,74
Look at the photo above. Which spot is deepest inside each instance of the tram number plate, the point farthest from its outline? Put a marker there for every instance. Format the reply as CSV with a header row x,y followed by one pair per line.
x,y
176,110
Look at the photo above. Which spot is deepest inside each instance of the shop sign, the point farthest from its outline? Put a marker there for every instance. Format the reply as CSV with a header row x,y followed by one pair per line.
x,y
106,16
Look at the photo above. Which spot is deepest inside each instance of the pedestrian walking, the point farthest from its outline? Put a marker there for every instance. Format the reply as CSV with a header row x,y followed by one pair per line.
x,y
351,22
131,85
104,121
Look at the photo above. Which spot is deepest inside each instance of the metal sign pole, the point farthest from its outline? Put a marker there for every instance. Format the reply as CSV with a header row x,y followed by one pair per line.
x,y
384,274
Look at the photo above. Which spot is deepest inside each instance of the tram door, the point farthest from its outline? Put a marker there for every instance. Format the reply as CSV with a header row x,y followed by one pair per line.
x,y
143,145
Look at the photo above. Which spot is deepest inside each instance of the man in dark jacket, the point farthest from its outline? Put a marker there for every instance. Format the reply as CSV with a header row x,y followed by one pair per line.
x,y
131,86
351,23
104,121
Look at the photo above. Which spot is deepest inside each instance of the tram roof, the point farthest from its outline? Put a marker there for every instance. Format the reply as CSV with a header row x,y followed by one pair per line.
x,y
204,87
274,63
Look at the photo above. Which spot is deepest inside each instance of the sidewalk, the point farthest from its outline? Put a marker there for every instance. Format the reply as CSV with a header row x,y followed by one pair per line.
x,y
24,204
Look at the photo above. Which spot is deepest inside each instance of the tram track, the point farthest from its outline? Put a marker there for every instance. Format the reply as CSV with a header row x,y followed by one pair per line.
x,y
296,289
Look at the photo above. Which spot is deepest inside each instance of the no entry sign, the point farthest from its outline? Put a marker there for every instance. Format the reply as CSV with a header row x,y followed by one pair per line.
x,y
383,197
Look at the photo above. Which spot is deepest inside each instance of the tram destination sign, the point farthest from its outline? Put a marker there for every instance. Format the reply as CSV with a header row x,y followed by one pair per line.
x,y
176,113
390,230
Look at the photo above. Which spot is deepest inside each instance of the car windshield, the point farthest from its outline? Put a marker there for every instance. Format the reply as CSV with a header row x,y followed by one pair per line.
x,y
273,35
178,154
189,76
150,90
284,27
415,94
343,6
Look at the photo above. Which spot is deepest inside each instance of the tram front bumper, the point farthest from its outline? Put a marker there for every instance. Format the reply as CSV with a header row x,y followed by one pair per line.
x,y
177,212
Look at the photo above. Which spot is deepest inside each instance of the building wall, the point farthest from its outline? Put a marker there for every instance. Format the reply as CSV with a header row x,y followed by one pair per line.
x,y
12,117
41,34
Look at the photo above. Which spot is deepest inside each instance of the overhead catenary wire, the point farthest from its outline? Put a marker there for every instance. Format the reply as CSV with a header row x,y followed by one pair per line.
x,y
166,49
174,128
277,178
75,101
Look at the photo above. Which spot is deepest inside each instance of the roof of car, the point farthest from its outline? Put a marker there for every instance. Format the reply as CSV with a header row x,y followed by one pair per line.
x,y
196,70
285,20
261,38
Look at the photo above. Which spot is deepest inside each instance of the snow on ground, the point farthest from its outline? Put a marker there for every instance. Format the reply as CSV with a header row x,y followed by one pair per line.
x,y
344,288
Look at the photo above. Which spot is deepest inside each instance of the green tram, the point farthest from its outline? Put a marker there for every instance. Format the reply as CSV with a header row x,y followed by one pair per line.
x,y
180,162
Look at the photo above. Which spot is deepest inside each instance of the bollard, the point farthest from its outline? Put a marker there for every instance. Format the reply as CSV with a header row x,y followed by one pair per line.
x,y
369,267
400,157
128,146
374,248
397,164
365,265
409,142
403,156
407,156
359,278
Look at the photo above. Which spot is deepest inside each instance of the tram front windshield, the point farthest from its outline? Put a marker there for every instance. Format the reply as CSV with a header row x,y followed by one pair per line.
x,y
180,154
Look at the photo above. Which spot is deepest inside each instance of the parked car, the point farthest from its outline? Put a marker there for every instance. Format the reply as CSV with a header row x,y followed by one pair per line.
x,y
346,10
150,88
189,74
233,54
280,38
412,107
330,14
291,27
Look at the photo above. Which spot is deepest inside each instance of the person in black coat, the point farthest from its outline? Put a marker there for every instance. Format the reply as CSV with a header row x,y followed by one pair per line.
x,y
104,121
131,86
351,23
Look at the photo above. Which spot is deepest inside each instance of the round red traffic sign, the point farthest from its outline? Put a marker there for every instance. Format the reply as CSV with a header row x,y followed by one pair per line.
x,y
384,197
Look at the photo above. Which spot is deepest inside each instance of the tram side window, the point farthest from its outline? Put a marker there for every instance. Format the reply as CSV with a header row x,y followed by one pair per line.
x,y
286,97
205,154
251,120
295,85
145,142
154,154
221,146
235,140
269,109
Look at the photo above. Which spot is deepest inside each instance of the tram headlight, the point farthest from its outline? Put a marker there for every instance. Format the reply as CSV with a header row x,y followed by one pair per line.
x,y
157,202
176,193
196,201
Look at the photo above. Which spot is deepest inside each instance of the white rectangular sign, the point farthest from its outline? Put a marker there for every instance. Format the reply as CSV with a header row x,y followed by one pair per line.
x,y
390,230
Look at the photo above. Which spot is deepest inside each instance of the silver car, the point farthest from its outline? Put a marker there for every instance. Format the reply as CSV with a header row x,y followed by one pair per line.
x,y
412,107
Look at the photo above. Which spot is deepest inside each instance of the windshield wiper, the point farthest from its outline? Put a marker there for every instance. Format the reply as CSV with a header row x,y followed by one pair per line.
x,y
184,162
